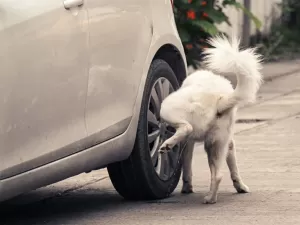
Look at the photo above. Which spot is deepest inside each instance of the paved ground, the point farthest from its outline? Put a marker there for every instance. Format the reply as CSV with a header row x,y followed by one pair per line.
x,y
268,154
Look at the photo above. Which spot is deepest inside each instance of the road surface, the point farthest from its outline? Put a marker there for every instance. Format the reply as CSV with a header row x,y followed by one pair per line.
x,y
268,148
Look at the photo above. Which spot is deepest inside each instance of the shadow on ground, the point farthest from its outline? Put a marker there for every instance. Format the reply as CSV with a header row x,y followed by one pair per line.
x,y
60,208
89,204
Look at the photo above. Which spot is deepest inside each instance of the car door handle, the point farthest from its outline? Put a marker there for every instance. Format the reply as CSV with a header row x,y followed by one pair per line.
x,y
72,3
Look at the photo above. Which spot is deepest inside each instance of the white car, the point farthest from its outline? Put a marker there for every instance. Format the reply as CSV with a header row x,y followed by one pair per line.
x,y
81,82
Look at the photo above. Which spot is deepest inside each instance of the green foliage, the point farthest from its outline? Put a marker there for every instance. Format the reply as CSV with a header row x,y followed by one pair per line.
x,y
283,41
196,21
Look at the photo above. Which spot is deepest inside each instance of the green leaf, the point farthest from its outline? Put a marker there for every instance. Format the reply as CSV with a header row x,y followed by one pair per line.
x,y
184,35
217,16
228,2
185,1
206,26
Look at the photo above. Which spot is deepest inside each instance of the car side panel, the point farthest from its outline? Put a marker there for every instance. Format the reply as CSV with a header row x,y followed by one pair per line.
x,y
43,83
165,29
120,37
115,149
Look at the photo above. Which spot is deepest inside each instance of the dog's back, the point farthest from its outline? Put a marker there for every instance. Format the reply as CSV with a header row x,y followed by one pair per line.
x,y
208,82
196,101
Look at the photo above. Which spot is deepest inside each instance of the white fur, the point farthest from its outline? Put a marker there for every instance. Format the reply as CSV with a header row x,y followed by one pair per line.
x,y
204,109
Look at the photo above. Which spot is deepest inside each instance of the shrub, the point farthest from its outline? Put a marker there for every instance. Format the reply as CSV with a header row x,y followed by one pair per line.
x,y
196,21
283,43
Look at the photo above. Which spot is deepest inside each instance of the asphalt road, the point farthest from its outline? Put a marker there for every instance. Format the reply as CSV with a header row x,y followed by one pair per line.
x,y
268,150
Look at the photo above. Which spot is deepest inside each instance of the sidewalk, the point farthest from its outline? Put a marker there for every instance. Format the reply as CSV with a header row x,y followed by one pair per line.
x,y
271,70
277,69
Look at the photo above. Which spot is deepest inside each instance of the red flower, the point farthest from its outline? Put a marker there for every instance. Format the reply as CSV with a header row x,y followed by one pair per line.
x,y
190,1
205,14
189,46
191,14
203,3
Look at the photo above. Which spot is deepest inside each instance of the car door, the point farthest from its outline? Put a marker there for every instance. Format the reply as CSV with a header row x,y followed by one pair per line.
x,y
120,37
43,82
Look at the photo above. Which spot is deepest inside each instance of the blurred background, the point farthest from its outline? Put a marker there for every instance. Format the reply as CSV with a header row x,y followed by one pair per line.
x,y
273,26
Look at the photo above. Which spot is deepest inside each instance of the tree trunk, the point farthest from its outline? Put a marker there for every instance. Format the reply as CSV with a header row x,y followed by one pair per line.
x,y
246,25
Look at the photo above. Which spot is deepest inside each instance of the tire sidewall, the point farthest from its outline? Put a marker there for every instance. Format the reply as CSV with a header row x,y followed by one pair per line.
x,y
159,188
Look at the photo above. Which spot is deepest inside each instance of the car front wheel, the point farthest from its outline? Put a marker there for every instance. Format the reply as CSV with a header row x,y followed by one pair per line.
x,y
147,174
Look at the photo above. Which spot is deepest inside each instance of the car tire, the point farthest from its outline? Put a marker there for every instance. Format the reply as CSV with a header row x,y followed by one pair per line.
x,y
138,177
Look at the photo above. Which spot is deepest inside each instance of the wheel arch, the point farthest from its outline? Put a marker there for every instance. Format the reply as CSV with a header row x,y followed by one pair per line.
x,y
160,49
172,56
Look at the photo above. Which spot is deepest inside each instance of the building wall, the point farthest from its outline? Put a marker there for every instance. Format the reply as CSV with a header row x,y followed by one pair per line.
x,y
265,10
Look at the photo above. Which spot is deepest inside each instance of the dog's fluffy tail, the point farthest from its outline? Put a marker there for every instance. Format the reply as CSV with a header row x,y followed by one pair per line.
x,y
227,58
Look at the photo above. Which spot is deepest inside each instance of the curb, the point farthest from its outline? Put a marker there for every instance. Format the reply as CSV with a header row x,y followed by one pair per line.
x,y
292,68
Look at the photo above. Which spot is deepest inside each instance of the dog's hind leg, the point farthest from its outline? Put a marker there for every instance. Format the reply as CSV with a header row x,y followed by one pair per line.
x,y
187,173
216,147
182,131
233,168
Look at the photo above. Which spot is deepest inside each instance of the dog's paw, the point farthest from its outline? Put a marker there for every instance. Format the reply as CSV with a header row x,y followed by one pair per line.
x,y
209,199
187,188
241,188
164,149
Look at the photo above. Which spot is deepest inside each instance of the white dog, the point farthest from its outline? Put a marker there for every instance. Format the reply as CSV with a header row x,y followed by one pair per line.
x,y
204,109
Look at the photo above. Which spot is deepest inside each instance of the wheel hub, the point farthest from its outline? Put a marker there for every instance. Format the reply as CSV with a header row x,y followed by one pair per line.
x,y
163,129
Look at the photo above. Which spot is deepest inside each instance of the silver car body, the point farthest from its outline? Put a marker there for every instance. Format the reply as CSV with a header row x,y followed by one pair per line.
x,y
71,83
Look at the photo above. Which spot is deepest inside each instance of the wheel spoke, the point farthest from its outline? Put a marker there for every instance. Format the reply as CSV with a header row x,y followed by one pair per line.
x,y
160,90
172,157
156,100
169,134
164,166
154,152
153,135
158,167
170,131
166,163
152,120
166,88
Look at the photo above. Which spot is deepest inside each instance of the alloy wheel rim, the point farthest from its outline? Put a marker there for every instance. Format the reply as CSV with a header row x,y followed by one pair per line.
x,y
158,131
